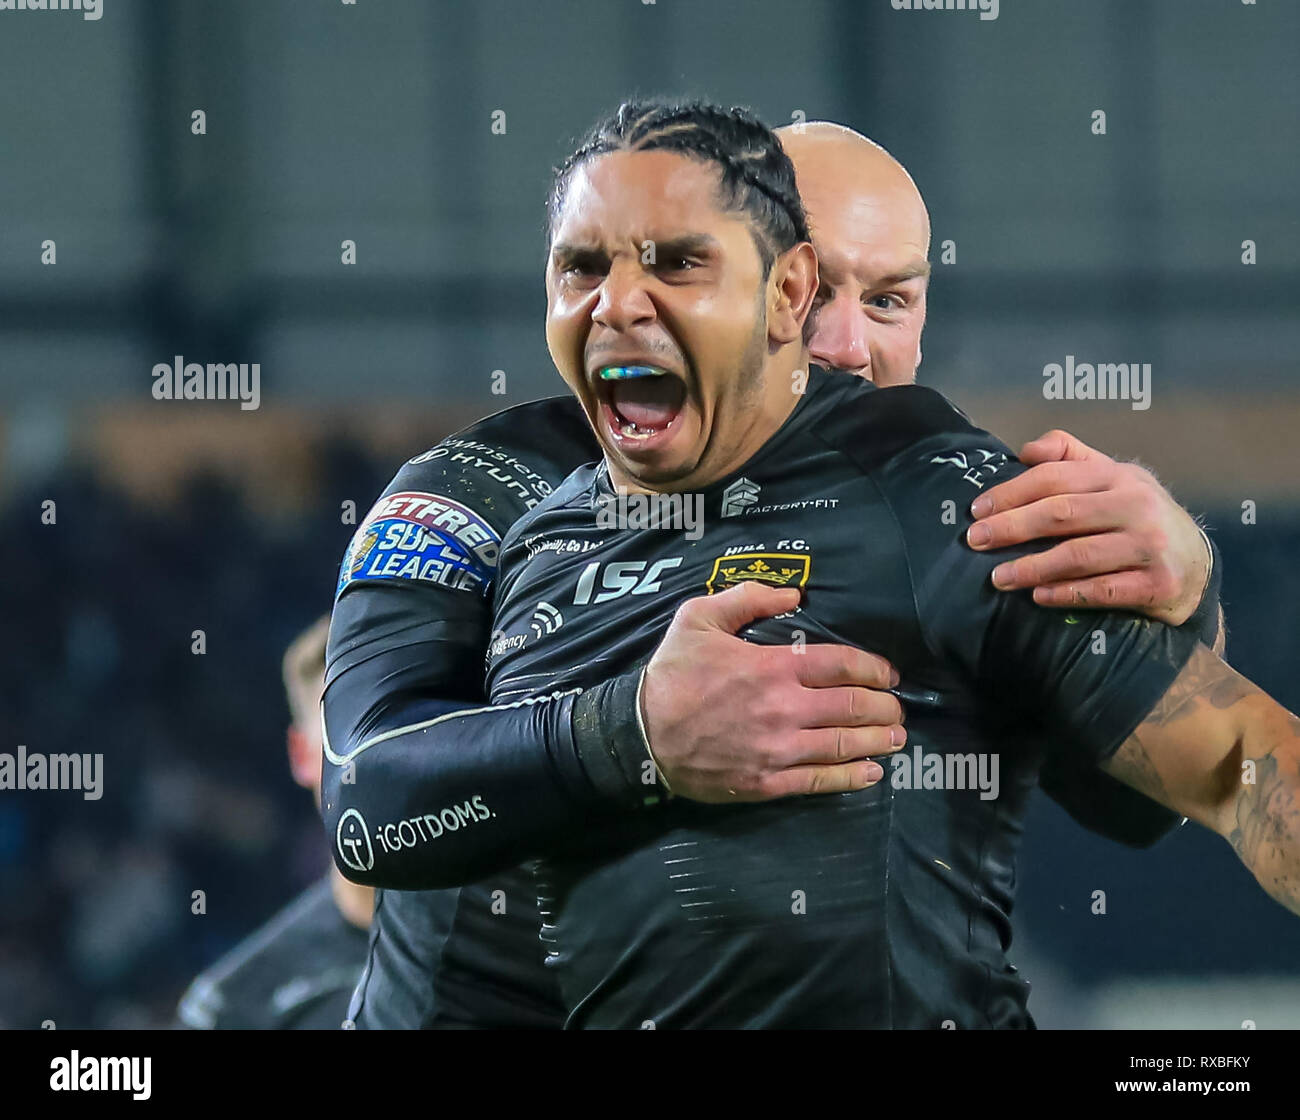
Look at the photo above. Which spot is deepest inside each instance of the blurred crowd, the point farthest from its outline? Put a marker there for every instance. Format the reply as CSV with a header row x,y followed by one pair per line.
x,y
100,925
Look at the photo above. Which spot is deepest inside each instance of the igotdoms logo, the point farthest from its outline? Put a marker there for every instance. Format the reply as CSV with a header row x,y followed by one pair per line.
x,y
356,850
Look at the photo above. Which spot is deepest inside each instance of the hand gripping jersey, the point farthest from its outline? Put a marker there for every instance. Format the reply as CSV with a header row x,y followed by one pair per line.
x,y
889,907
426,786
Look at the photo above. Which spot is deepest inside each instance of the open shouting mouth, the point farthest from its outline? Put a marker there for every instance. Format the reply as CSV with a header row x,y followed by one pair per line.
x,y
639,405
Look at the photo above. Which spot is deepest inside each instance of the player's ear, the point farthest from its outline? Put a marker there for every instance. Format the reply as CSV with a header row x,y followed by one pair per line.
x,y
304,759
792,286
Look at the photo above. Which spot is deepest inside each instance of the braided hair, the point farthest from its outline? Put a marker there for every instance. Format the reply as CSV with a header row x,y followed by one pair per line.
x,y
757,177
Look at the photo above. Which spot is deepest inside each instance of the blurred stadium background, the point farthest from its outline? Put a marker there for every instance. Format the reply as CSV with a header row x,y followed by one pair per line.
x,y
329,121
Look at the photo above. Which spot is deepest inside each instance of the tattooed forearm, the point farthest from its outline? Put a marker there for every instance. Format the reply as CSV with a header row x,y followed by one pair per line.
x,y
1254,826
1267,830
1222,752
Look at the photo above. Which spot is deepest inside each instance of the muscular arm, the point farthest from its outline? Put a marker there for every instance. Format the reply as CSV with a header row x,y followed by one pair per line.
x,y
1220,751
421,788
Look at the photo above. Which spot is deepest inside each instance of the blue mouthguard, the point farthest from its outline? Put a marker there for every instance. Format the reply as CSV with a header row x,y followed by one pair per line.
x,y
620,373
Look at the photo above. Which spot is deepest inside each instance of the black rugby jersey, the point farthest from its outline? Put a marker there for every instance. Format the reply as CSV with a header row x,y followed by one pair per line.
x,y
297,972
410,627
889,907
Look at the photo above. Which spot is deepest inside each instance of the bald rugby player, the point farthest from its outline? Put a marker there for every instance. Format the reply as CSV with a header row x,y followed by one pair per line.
x,y
1131,546
400,658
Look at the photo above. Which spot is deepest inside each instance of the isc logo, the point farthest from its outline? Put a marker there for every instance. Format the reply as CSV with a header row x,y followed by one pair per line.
x,y
626,577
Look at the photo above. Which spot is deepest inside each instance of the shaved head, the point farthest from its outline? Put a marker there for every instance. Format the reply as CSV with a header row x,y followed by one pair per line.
x,y
872,234
844,176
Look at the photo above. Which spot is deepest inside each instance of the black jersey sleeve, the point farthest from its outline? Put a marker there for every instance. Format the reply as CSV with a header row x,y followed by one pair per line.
x,y
1205,620
1088,678
1105,805
424,785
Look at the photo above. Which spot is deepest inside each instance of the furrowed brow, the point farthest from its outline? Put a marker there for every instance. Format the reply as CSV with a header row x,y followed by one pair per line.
x,y
687,245
568,254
